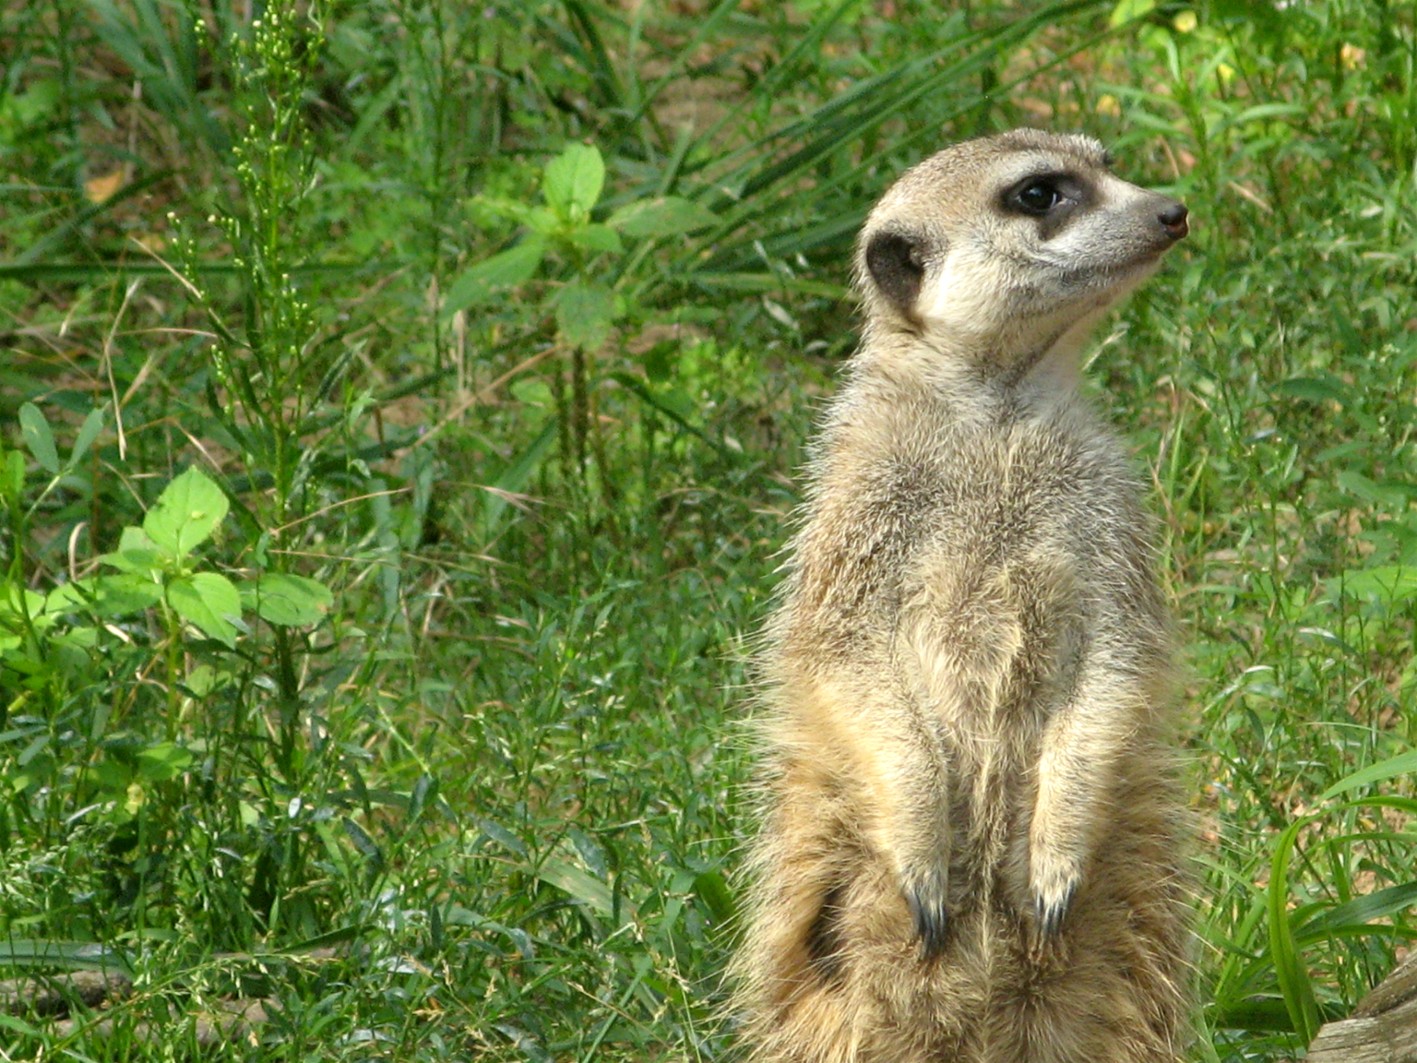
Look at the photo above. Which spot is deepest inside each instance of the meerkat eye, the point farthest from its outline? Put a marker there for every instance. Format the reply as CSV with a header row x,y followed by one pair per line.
x,y
1037,195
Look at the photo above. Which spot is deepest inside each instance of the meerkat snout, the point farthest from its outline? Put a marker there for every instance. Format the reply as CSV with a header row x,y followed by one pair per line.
x,y
1173,220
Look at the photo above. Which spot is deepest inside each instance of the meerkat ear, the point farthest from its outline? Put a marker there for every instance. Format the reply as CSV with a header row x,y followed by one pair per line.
x,y
896,262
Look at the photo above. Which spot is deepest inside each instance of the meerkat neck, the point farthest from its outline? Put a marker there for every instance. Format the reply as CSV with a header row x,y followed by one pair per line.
x,y
969,388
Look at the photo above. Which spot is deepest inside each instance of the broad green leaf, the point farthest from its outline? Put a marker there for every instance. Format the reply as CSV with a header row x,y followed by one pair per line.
x,y
597,238
290,601
1387,495
714,891
665,216
88,432
186,514
136,553
69,597
125,594
210,602
481,282
534,216
73,647
572,181
38,438
204,679
584,314
165,760
1391,584
499,206
580,884
542,220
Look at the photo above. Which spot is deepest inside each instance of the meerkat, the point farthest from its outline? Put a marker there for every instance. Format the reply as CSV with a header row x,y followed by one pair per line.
x,y
973,842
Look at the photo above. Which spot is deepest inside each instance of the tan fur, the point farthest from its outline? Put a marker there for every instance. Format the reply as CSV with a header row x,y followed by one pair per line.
x,y
972,846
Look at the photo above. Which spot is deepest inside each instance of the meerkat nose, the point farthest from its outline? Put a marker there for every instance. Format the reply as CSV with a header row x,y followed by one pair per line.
x,y
1173,220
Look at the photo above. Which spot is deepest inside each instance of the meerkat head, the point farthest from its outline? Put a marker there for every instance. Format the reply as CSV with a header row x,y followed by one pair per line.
x,y
1006,248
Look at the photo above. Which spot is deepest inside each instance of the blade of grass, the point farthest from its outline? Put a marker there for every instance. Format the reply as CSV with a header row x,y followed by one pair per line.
x,y
1402,764
1290,972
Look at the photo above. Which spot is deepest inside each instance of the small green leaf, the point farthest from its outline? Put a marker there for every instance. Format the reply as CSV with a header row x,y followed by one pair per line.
x,y
186,514
533,391
584,314
572,181
88,432
290,601
20,602
1315,389
714,891
367,846
666,216
12,475
1128,10
542,221
38,438
210,602
481,282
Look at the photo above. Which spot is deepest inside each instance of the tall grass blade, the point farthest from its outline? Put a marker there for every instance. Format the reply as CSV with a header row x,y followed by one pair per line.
x,y
1292,975
1356,916
1402,764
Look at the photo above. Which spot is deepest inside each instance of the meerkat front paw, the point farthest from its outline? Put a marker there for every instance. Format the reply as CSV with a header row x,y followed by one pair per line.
x,y
1053,883
926,896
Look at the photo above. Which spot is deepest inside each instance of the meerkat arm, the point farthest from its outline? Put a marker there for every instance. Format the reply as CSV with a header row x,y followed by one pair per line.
x,y
1081,744
920,833
885,753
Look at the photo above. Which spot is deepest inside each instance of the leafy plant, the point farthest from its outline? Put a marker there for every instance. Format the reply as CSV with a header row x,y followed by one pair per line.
x,y
583,257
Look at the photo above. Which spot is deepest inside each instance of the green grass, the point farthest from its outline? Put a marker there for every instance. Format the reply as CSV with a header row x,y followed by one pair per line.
x,y
535,424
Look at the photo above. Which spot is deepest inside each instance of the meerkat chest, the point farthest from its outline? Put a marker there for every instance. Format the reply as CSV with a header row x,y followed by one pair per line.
x,y
999,594
994,634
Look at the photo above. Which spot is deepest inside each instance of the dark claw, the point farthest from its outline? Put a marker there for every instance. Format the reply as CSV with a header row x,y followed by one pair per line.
x,y
931,921
1049,917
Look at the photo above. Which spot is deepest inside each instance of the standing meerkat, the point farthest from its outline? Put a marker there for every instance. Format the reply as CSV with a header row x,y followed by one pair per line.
x,y
973,841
